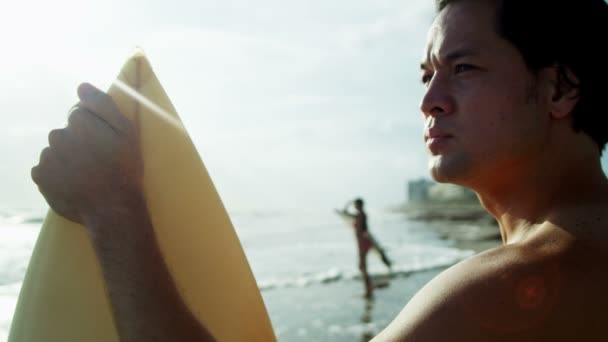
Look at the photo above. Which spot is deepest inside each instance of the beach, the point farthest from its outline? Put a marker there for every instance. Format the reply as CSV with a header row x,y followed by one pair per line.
x,y
305,264
338,311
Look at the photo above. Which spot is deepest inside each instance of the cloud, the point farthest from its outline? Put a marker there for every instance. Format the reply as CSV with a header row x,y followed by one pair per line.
x,y
285,113
308,100
402,24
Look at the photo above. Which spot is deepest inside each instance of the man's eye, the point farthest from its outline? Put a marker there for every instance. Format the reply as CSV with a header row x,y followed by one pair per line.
x,y
463,67
426,78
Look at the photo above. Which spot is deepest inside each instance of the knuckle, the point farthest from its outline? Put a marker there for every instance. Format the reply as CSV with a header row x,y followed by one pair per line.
x,y
100,102
35,174
78,117
45,156
45,153
74,117
38,171
56,136
106,100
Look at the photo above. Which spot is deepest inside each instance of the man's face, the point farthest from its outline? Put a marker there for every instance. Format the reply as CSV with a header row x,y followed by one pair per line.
x,y
483,121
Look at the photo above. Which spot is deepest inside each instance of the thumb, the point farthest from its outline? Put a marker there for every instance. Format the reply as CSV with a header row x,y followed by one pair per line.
x,y
102,105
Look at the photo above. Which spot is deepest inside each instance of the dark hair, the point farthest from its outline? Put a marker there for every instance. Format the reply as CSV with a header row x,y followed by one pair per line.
x,y
359,201
558,33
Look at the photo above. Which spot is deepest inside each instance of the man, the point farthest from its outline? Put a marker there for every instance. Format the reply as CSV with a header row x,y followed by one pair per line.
x,y
365,242
513,109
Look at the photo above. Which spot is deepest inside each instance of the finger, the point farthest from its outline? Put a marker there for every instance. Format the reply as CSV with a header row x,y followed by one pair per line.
x,y
65,144
50,186
101,104
58,138
77,116
45,156
84,122
87,129
37,172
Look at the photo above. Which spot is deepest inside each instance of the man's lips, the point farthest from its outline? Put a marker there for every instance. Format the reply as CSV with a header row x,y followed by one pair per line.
x,y
436,140
433,134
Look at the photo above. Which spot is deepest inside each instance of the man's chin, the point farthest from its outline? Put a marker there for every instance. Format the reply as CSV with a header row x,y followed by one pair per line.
x,y
436,169
439,177
443,170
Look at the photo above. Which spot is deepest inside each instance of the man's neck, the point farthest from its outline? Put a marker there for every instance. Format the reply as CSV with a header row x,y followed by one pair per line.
x,y
525,201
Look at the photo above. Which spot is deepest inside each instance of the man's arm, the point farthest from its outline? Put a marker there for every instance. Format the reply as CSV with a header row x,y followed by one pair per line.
x,y
92,173
490,297
433,315
145,302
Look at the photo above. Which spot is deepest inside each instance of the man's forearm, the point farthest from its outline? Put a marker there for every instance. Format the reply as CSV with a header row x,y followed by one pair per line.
x,y
145,302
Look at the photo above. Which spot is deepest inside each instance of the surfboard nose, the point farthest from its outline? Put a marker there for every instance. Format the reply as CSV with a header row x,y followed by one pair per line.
x,y
63,296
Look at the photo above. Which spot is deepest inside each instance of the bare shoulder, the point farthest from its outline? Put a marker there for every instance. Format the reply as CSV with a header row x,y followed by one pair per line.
x,y
509,293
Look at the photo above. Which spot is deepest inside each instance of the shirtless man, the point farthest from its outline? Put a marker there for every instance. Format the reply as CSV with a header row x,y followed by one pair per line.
x,y
513,109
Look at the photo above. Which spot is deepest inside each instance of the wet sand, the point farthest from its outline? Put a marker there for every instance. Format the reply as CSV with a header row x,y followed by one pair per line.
x,y
338,312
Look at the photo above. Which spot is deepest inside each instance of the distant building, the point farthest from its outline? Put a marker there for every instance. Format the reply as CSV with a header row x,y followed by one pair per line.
x,y
418,190
424,190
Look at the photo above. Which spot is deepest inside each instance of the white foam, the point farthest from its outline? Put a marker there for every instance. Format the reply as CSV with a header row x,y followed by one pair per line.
x,y
334,274
8,302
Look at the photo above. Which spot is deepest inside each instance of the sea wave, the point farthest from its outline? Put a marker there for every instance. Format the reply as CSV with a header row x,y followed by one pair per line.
x,y
15,217
335,274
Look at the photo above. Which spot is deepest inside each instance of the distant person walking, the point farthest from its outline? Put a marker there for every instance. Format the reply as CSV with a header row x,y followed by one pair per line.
x,y
365,242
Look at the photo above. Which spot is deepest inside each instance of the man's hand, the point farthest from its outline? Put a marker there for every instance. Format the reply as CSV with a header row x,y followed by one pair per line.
x,y
92,173
94,161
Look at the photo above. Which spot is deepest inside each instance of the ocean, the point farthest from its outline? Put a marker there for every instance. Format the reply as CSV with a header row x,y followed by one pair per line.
x,y
305,264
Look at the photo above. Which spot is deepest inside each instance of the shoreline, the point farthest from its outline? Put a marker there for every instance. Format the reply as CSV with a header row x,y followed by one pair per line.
x,y
337,311
469,212
466,225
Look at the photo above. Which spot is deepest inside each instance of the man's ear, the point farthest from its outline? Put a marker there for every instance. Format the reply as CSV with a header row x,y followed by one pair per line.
x,y
565,91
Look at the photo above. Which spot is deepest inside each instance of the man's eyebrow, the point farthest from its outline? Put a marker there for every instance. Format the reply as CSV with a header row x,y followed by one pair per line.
x,y
452,56
459,53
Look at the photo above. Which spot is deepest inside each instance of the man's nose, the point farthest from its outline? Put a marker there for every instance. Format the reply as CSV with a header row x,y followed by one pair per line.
x,y
437,100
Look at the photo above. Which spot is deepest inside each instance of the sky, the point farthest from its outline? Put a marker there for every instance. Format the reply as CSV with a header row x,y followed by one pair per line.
x,y
291,104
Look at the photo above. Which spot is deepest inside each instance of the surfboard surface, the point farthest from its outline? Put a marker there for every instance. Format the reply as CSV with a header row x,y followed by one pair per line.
x,y
63,296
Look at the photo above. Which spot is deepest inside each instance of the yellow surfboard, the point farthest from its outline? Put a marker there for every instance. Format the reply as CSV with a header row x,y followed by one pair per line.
x,y
63,298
